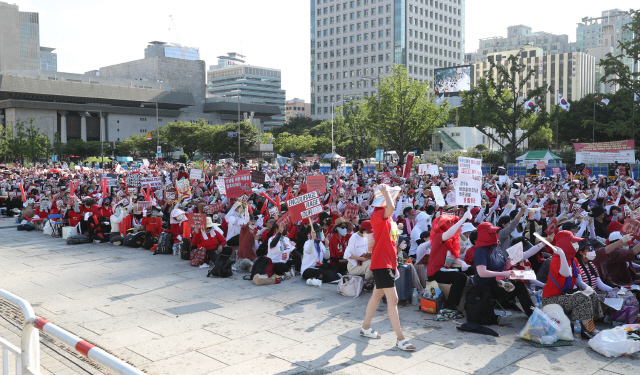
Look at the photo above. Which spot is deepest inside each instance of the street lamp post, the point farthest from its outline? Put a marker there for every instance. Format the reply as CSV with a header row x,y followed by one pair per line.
x,y
333,148
377,89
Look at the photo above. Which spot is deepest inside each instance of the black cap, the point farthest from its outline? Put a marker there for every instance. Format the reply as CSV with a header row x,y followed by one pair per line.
x,y
569,226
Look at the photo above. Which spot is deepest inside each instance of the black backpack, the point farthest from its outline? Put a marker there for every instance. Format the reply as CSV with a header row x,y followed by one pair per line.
x,y
127,239
165,244
138,239
478,306
222,267
149,241
185,249
26,227
78,239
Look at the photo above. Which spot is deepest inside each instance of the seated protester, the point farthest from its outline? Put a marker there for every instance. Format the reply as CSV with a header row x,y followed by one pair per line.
x,y
280,251
267,228
424,248
235,220
468,256
315,263
264,246
337,246
88,209
465,244
302,236
600,223
561,286
248,244
620,266
507,225
491,263
357,252
105,210
409,221
423,224
116,219
98,229
177,220
445,246
152,223
73,214
210,239
586,256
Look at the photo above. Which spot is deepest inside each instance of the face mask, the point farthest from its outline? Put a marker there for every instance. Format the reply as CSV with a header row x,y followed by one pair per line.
x,y
591,255
90,190
342,231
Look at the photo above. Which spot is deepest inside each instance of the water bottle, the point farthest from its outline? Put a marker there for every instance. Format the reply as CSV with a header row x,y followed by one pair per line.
x,y
577,331
414,297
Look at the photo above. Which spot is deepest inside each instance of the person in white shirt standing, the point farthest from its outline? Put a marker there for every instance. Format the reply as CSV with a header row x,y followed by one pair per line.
x,y
357,252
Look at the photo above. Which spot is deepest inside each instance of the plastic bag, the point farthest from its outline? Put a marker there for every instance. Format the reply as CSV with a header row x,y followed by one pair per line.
x,y
555,312
540,328
614,343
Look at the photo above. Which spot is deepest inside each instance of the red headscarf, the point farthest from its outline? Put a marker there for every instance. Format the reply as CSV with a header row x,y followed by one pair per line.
x,y
441,225
487,235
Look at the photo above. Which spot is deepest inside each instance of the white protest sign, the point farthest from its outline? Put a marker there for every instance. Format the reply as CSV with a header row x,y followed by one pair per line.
x,y
469,183
221,188
515,253
195,174
425,169
154,182
437,195
451,198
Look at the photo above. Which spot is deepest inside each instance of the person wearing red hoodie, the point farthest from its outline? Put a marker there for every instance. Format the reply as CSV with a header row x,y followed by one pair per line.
x,y
564,276
491,264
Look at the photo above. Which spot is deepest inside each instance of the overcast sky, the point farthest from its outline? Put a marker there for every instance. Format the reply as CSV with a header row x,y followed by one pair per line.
x,y
89,34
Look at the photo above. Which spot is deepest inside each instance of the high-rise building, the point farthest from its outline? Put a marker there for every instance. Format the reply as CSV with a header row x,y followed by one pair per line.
x,y
354,39
248,83
29,41
163,49
599,36
48,59
19,39
297,108
572,74
519,36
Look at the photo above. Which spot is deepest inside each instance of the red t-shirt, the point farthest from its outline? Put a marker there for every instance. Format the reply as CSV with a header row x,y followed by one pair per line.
x,y
438,254
74,217
153,225
550,289
337,246
384,253
211,243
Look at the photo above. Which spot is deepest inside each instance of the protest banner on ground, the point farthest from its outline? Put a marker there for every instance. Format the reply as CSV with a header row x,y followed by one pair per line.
x,y
316,183
469,183
303,206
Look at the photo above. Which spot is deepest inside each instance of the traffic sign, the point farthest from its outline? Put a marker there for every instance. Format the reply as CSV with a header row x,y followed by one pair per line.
x,y
293,155
230,134
379,154
149,137
159,149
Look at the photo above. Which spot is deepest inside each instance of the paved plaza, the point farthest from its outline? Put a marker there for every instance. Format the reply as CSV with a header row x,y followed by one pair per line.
x,y
165,317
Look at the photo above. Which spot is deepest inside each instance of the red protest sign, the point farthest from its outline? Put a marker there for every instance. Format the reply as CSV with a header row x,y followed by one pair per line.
x,y
351,212
632,227
540,164
303,206
144,205
236,186
316,183
556,171
386,177
214,208
243,172
587,172
284,220
197,220
622,170
551,228
551,210
407,168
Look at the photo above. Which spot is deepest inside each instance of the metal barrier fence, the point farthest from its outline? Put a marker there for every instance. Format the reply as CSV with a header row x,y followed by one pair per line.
x,y
27,357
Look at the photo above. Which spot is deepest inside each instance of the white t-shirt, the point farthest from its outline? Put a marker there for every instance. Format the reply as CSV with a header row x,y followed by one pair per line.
x,y
357,246
311,256
280,253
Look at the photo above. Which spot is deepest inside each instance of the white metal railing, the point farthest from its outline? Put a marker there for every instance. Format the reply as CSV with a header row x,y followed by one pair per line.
x,y
28,355
7,349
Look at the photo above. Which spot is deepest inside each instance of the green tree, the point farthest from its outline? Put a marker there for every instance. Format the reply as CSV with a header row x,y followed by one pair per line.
x,y
185,135
6,136
209,144
248,132
615,69
296,125
496,107
286,143
407,113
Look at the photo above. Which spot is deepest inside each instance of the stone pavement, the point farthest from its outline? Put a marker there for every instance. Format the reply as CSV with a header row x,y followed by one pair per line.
x,y
165,317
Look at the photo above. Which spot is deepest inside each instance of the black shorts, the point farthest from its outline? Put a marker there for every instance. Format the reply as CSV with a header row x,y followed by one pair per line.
x,y
384,278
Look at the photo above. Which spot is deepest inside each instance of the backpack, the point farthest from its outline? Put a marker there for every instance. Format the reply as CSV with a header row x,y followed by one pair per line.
x,y
127,239
222,267
78,239
138,239
350,286
261,266
198,257
185,249
165,244
478,306
27,227
149,242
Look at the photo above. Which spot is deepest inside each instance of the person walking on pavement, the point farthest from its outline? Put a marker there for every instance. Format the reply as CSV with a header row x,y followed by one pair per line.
x,y
384,262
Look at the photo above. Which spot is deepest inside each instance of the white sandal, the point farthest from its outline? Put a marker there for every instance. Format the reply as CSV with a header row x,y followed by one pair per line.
x,y
405,345
370,333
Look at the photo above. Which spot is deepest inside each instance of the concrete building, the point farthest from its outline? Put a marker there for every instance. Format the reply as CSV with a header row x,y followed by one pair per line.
x,y
252,84
48,59
176,51
598,36
19,39
297,108
364,38
463,138
519,36
182,75
571,73
103,108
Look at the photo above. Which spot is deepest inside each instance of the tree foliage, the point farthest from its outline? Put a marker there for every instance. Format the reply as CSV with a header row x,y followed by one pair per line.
x,y
496,105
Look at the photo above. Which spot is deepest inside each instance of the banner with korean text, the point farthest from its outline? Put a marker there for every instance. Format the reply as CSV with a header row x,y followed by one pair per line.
x,y
469,183
606,152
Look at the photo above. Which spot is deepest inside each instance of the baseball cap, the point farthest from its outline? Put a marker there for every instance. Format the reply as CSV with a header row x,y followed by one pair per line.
x,y
366,225
569,226
615,236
